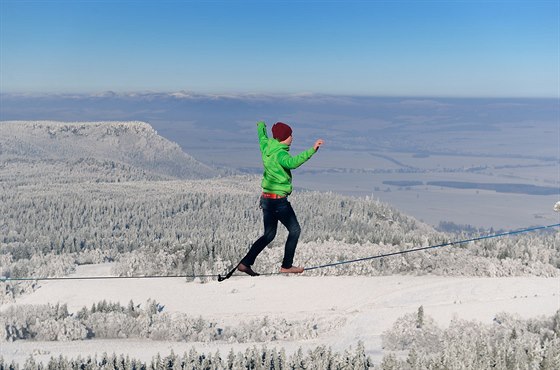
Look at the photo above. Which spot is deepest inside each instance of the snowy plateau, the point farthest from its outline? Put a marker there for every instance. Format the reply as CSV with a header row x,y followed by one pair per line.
x,y
115,199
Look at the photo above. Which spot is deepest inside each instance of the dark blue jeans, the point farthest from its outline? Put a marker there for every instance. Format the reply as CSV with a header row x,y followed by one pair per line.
x,y
275,210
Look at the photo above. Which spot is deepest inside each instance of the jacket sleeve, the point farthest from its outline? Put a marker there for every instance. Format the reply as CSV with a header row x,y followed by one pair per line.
x,y
289,162
263,137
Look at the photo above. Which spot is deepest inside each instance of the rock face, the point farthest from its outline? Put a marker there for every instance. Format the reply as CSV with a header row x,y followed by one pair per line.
x,y
134,144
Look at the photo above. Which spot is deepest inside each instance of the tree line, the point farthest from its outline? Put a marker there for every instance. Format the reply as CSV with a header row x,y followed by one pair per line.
x,y
252,358
414,342
106,320
508,343
204,227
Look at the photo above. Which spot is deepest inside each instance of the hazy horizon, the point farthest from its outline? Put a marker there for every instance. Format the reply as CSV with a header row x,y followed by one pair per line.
x,y
395,149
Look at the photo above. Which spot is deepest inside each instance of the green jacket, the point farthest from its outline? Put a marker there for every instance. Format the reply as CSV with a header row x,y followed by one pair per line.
x,y
278,163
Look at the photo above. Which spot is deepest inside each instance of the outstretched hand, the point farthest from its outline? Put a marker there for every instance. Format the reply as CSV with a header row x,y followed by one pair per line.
x,y
318,144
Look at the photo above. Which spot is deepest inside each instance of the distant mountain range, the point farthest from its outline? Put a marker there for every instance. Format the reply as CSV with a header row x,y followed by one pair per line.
x,y
126,144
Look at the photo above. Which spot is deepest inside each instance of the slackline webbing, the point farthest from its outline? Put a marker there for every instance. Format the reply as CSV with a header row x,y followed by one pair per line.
x,y
484,237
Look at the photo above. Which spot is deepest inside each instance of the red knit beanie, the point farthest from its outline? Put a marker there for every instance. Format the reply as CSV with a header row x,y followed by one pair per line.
x,y
281,131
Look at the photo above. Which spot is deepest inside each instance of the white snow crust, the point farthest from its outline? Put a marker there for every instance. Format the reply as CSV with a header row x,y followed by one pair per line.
x,y
361,308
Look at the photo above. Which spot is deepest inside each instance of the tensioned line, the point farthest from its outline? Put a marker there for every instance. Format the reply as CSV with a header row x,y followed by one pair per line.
x,y
491,236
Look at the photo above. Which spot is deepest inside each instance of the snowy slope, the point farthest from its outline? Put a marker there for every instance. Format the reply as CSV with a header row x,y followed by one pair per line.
x,y
353,308
135,144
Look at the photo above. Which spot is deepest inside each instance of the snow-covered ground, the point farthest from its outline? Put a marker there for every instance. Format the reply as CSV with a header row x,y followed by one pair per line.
x,y
358,308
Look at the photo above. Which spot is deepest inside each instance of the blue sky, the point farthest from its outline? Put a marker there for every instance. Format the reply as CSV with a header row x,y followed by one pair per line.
x,y
380,48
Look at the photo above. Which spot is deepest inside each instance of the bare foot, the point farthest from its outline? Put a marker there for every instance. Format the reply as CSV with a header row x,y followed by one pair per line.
x,y
292,270
247,269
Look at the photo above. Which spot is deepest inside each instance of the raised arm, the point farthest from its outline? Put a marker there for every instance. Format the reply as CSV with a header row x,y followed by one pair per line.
x,y
263,137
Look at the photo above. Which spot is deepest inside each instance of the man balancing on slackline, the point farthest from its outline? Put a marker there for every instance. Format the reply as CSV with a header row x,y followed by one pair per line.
x,y
277,185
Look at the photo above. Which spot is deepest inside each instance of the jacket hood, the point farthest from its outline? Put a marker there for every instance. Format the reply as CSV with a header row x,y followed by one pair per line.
x,y
274,146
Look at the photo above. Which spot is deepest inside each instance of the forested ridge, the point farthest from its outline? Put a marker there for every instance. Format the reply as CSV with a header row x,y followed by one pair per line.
x,y
189,226
134,144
